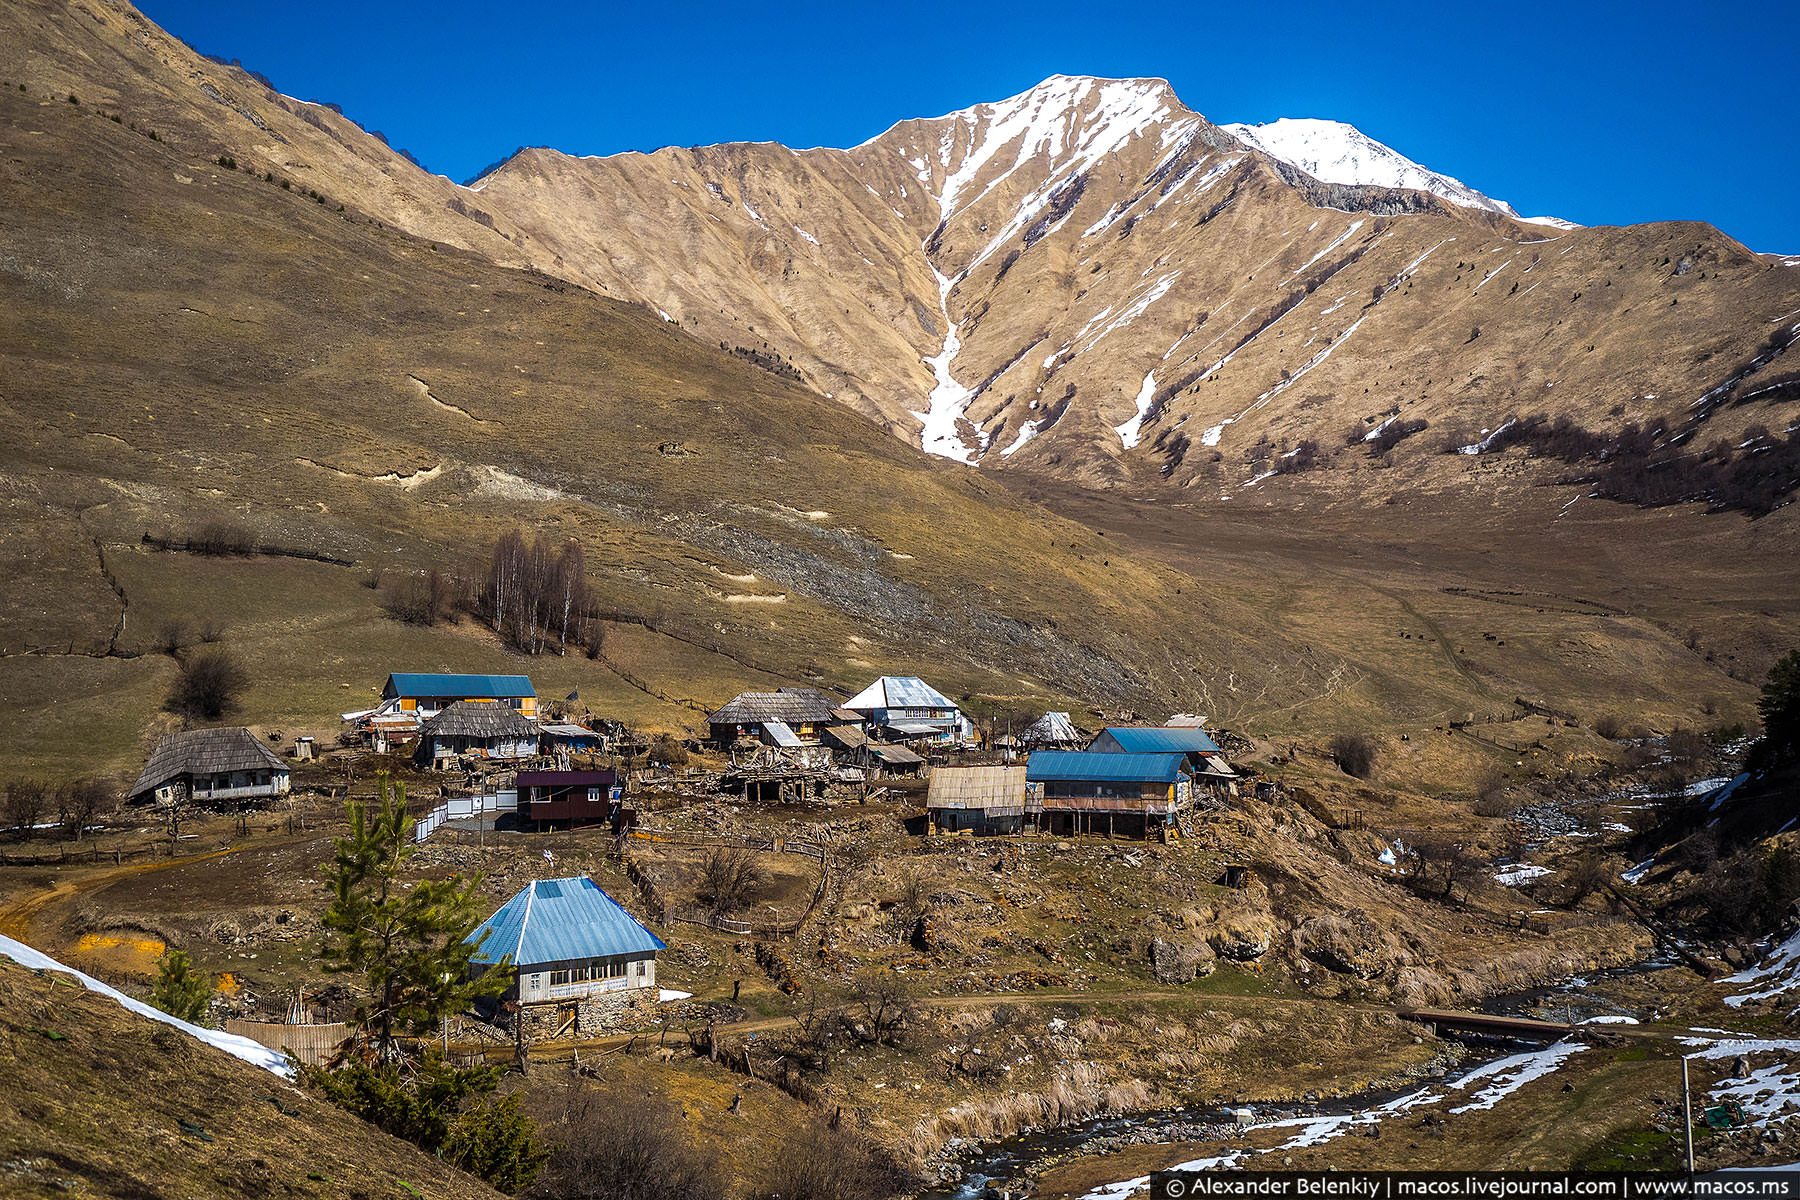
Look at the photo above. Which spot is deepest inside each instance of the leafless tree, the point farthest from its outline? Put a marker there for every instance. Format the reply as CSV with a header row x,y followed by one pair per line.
x,y
79,803
207,686
728,877
881,1008
25,801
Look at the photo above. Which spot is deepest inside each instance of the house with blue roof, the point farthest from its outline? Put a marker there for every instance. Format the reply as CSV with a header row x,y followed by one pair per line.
x,y
579,962
428,694
1115,794
1204,755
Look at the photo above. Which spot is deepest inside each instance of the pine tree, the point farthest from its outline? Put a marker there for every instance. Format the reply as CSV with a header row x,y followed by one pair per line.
x,y
1780,709
179,991
406,942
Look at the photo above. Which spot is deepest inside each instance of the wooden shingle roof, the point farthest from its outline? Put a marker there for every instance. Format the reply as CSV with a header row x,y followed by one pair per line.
x,y
473,718
205,752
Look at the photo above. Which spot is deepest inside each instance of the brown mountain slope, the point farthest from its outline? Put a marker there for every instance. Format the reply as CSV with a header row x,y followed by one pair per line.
x,y
100,1101
1129,286
184,343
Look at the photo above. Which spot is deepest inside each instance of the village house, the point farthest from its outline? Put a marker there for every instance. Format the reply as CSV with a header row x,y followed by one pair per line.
x,y
565,799
473,730
977,800
580,964
1128,795
1204,755
211,766
788,717
1052,731
426,694
904,708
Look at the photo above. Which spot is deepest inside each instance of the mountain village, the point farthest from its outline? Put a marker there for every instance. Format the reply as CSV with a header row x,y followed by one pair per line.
x,y
1064,651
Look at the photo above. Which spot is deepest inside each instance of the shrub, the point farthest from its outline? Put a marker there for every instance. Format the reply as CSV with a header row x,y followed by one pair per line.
x,y
613,1142
174,635
419,599
440,1109
819,1163
207,686
221,538
1354,754
1608,726
178,991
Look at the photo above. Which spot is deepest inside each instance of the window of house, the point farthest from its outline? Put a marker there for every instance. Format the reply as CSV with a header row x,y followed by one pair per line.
x,y
534,982
578,974
637,968
593,795
558,977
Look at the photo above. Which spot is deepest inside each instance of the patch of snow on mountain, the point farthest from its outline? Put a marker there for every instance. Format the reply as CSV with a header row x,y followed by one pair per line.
x,y
1338,241
1132,430
949,400
1335,152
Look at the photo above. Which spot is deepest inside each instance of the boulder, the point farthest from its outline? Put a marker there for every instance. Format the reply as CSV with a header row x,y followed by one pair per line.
x,y
1180,959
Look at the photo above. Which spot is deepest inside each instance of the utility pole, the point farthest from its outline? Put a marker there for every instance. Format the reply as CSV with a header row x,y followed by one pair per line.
x,y
1687,1112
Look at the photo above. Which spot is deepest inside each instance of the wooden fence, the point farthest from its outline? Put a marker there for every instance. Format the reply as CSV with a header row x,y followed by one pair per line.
x,y
762,930
312,1044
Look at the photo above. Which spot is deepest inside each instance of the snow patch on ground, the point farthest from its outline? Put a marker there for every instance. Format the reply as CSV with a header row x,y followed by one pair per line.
x,y
1777,975
1522,873
1132,430
254,1053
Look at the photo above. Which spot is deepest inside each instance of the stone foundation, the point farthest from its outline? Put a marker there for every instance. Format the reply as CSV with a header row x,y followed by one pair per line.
x,y
608,1012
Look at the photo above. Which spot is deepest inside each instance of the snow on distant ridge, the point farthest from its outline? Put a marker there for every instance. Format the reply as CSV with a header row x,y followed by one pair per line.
x,y
1335,152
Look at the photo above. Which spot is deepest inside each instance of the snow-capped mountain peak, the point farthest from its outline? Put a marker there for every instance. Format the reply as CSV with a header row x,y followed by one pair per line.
x,y
1335,152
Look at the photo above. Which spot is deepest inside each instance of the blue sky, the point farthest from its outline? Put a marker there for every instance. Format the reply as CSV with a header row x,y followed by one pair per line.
x,y
1599,113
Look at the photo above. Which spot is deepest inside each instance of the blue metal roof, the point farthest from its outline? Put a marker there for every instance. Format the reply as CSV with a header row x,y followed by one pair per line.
x,y
468,687
1133,739
1090,765
561,920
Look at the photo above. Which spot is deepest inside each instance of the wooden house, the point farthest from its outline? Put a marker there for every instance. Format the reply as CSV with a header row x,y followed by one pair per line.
x,y
976,800
789,717
579,963
428,694
904,708
211,766
565,799
471,729
1130,795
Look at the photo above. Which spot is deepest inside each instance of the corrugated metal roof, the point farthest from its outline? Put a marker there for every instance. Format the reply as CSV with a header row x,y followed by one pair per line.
x,y
473,687
976,787
780,734
561,730
1159,739
561,920
1052,727
899,691
1096,766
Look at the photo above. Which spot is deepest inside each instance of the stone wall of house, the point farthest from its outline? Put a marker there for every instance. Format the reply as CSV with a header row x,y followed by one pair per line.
x,y
608,1012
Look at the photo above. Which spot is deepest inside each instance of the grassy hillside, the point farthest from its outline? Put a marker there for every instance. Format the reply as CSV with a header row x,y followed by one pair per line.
x,y
188,344
100,1101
